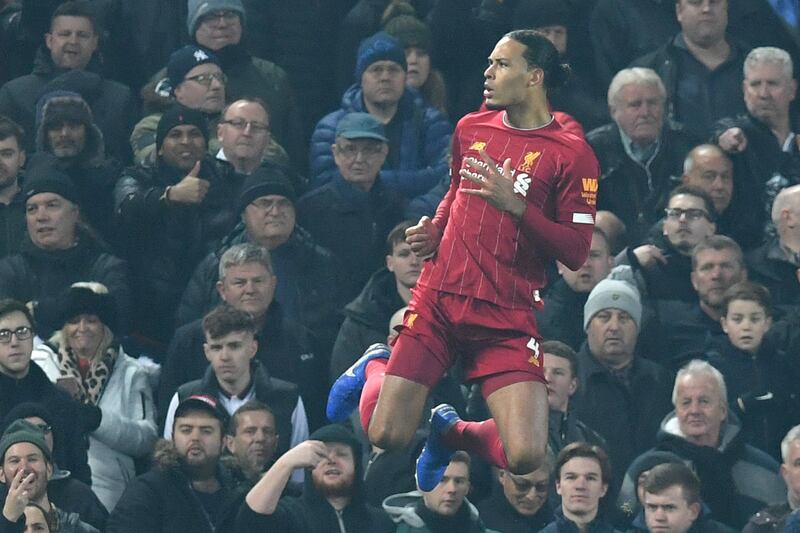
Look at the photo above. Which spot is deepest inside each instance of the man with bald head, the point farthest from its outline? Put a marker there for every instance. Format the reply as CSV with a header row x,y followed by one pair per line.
x,y
775,263
709,168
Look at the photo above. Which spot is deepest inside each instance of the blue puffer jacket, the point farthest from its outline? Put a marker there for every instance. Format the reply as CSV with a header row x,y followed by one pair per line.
x,y
423,149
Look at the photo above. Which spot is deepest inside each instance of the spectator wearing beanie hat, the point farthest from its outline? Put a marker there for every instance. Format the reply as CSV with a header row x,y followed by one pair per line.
x,y
418,134
64,489
23,449
85,357
333,495
67,131
60,249
619,388
309,277
194,79
170,215
579,97
217,27
400,21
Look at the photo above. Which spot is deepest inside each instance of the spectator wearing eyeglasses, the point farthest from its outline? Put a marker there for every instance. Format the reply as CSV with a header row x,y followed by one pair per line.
x,y
23,382
663,266
352,214
64,490
170,215
245,137
519,504
193,79
217,26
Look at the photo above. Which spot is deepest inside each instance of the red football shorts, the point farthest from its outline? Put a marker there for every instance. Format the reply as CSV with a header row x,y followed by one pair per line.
x,y
498,346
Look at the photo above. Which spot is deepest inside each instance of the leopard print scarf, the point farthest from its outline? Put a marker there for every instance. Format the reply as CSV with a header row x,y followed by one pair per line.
x,y
91,388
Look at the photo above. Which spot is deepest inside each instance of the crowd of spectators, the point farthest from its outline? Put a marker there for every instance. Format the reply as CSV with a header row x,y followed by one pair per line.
x,y
203,206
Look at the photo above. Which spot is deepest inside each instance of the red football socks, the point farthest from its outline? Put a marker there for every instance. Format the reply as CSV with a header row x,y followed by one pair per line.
x,y
374,371
479,438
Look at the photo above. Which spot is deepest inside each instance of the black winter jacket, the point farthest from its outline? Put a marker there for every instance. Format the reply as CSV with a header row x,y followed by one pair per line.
x,y
366,320
163,500
637,195
113,105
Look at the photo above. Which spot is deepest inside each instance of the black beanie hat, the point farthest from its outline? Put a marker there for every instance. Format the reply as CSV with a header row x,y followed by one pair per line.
x,y
379,47
532,14
22,431
338,433
84,301
46,176
264,181
179,115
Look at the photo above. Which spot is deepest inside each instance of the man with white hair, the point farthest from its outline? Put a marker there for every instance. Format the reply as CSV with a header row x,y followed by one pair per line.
x,y
775,263
639,152
736,479
772,518
763,141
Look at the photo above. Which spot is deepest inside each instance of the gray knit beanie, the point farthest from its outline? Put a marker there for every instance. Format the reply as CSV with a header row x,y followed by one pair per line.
x,y
613,294
199,8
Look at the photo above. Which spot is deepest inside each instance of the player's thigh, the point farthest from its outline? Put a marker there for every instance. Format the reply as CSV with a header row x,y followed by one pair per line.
x,y
520,410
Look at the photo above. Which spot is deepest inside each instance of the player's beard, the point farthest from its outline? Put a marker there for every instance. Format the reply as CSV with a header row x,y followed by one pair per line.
x,y
494,107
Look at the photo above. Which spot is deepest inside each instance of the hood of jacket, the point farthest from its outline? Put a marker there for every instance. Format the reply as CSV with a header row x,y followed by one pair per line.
x,y
377,301
93,153
731,437
403,508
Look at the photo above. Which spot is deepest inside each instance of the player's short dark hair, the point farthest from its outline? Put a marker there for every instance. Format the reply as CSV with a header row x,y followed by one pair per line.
x,y
667,475
541,53
225,319
718,243
561,349
77,8
397,235
9,128
248,407
590,451
691,190
749,291
8,306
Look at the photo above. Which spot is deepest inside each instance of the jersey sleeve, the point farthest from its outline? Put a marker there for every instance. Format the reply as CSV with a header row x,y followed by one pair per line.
x,y
567,238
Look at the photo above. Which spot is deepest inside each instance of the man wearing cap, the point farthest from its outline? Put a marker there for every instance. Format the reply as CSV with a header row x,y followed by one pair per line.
x,y
59,250
170,214
193,79
333,496
352,214
619,388
418,134
188,488
284,349
66,130
234,376
26,469
12,206
67,61
309,277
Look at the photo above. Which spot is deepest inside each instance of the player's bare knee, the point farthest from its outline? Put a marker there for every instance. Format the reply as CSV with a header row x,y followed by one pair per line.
x,y
524,461
389,437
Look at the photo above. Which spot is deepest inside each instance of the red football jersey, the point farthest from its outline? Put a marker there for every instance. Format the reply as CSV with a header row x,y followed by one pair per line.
x,y
487,254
